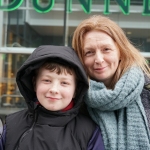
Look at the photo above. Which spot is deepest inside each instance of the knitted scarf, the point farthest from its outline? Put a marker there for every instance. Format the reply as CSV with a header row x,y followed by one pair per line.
x,y
120,113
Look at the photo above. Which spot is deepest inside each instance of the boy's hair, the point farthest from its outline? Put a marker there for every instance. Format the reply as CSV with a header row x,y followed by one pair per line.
x,y
57,67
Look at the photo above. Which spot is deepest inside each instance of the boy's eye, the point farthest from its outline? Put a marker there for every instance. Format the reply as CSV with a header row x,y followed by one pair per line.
x,y
45,80
65,83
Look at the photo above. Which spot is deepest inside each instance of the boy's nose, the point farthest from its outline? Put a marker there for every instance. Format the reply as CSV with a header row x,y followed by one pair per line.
x,y
53,89
99,58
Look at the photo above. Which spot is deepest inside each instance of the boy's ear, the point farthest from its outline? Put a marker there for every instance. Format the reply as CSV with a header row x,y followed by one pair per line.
x,y
74,94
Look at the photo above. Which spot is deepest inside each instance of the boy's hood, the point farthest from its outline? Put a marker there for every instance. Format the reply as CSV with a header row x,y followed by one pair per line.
x,y
58,54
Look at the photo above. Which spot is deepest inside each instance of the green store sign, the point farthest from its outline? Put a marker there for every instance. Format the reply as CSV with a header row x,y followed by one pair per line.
x,y
85,4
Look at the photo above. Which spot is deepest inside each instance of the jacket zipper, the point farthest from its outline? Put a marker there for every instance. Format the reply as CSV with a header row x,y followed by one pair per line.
x,y
27,132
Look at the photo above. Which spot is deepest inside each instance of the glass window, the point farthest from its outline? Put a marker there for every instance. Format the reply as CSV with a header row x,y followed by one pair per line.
x,y
27,27
10,98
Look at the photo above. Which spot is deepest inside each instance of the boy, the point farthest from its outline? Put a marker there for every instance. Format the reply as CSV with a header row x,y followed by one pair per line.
x,y
52,82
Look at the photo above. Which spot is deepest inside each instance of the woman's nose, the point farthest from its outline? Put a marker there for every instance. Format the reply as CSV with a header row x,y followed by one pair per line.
x,y
99,58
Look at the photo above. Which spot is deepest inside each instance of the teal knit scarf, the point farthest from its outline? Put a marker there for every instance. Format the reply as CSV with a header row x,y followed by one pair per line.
x,y
120,113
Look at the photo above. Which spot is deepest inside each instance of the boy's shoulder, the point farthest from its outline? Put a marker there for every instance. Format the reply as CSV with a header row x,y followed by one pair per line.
x,y
85,119
83,124
82,127
18,114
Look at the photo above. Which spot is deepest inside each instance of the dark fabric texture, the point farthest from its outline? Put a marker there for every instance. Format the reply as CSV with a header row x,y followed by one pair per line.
x,y
145,97
96,142
44,135
2,138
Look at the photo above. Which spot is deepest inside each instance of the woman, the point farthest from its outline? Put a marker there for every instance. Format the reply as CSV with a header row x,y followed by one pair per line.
x,y
116,98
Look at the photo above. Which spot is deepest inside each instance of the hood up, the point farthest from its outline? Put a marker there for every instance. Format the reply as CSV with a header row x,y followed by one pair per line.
x,y
59,54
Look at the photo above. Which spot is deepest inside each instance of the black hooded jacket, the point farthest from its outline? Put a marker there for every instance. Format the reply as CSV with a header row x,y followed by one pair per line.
x,y
36,128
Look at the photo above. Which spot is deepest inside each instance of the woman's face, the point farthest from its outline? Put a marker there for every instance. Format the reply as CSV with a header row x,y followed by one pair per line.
x,y
101,56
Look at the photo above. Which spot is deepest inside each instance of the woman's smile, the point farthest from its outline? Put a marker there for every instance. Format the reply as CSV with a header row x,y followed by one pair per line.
x,y
100,69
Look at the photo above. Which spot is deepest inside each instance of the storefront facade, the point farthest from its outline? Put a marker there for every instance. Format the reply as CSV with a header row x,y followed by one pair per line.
x,y
27,24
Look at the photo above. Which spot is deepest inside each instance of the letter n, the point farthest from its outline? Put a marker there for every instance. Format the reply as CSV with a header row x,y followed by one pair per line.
x,y
124,5
86,6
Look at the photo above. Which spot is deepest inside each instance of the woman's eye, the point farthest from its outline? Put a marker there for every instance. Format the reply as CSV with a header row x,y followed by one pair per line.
x,y
106,49
88,53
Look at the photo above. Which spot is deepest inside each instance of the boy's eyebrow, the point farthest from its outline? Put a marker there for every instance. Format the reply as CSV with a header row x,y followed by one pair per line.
x,y
45,75
64,78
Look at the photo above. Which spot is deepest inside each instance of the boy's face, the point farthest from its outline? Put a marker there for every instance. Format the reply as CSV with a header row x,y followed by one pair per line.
x,y
54,91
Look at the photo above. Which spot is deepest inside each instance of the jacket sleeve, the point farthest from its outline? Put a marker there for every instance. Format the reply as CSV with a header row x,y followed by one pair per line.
x,y
96,142
2,139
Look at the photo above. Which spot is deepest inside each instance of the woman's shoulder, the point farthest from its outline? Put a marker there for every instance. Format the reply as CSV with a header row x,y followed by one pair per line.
x,y
96,142
145,98
147,82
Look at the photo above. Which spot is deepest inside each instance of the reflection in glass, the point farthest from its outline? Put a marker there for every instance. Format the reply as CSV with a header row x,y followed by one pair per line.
x,y
10,98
